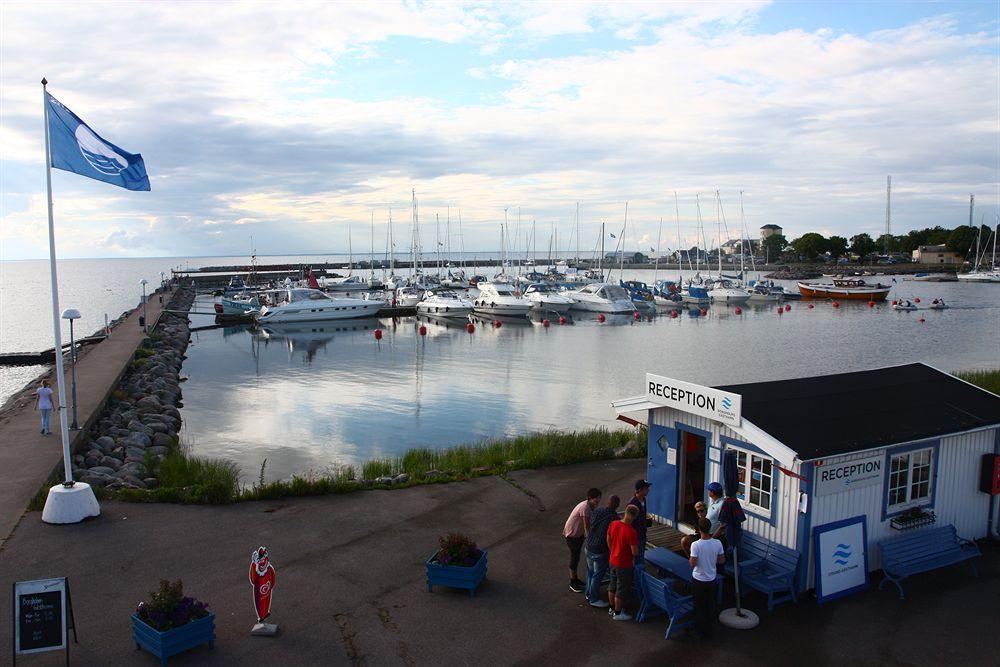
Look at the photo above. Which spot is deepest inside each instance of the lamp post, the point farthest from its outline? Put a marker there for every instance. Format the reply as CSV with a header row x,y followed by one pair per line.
x,y
145,328
72,314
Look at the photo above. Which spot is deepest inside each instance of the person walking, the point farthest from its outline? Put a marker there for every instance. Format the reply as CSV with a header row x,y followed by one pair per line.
x,y
575,532
43,403
641,521
597,550
623,545
706,555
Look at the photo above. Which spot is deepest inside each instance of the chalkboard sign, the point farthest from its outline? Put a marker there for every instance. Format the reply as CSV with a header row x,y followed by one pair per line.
x,y
42,614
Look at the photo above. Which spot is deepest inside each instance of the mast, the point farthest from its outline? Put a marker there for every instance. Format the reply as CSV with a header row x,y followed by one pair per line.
x,y
677,217
888,199
600,258
371,258
621,266
392,246
701,231
437,241
578,235
350,251
447,238
656,264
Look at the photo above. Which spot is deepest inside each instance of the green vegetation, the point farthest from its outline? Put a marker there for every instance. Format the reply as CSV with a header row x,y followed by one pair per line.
x,y
188,479
988,380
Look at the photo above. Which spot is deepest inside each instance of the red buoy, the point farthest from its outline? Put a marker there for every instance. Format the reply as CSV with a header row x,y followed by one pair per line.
x,y
893,302
871,304
636,315
422,330
673,314
348,295
704,311
781,311
836,304
545,323
562,320
916,299
788,307
470,327
739,311
810,305
496,324
378,334
600,317
921,320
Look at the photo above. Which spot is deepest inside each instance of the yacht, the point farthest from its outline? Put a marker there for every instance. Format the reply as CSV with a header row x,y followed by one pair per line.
x,y
544,297
408,297
305,305
351,284
500,299
444,303
602,298
726,291
456,280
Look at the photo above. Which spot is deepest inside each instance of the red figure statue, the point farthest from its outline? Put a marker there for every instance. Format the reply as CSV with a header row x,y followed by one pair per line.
x,y
262,580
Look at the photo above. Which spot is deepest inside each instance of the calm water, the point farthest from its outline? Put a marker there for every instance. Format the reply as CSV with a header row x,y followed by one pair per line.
x,y
309,398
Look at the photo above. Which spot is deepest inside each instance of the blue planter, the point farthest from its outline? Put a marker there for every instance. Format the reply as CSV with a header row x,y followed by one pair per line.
x,y
165,644
455,576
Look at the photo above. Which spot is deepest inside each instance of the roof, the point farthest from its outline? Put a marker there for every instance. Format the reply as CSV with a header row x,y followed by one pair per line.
x,y
935,248
770,227
849,412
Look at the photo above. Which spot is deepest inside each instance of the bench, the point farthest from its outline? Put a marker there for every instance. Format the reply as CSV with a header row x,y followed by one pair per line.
x,y
768,567
659,596
924,550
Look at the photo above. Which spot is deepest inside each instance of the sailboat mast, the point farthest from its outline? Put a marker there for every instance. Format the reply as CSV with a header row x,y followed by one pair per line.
x,y
621,266
350,251
600,258
437,241
656,264
578,235
371,258
888,208
677,217
979,231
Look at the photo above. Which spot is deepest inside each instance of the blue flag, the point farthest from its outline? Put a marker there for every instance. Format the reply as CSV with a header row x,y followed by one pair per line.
x,y
75,147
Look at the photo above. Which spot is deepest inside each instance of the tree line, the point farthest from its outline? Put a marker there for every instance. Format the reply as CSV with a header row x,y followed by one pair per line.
x,y
961,239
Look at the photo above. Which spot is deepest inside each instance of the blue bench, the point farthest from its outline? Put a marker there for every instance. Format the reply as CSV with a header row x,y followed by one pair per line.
x,y
767,567
923,551
658,596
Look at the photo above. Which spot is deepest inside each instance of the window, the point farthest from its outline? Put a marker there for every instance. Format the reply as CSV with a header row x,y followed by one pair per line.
x,y
756,480
910,478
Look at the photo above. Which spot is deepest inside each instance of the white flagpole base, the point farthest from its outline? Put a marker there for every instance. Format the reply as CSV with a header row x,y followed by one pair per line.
x,y
738,619
70,504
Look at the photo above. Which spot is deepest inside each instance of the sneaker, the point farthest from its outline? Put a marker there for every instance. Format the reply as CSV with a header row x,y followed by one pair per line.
x,y
611,611
623,616
576,586
600,604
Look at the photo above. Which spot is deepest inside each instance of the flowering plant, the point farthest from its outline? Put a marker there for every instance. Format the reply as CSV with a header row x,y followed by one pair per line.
x,y
458,549
168,607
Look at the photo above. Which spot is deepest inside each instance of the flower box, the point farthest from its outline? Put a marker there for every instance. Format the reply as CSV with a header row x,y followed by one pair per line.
x,y
912,519
456,576
173,641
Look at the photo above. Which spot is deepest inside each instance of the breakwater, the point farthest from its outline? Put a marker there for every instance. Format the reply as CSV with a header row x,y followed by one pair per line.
x,y
140,421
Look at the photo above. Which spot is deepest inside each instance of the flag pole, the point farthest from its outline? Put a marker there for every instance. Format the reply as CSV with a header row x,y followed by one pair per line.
x,y
76,501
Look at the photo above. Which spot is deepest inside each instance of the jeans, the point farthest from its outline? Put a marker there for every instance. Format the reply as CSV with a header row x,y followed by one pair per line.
x,y
597,567
703,593
46,419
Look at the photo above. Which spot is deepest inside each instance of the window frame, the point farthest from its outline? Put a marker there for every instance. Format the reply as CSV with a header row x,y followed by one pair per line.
x,y
910,451
753,508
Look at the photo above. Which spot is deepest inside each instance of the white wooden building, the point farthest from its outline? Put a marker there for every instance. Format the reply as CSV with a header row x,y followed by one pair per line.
x,y
899,445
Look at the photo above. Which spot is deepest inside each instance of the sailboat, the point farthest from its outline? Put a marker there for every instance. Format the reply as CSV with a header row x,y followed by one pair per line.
x,y
726,290
978,274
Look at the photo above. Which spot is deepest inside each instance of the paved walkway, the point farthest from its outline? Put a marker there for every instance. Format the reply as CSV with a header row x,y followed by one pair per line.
x,y
27,458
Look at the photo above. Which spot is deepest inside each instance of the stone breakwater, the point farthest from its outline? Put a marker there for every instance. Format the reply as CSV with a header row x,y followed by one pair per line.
x,y
140,422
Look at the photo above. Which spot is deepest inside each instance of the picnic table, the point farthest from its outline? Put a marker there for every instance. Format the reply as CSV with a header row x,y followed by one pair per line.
x,y
675,565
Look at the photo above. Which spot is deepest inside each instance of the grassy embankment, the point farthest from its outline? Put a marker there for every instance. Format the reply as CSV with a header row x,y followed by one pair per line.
x,y
988,380
189,479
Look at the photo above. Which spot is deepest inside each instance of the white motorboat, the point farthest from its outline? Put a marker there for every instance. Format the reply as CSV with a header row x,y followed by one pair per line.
x,y
602,298
762,293
500,299
444,303
904,304
455,280
545,297
305,305
938,304
725,291
408,297
239,304
980,277
349,284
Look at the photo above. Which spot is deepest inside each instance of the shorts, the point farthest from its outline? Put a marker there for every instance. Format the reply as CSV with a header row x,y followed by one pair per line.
x,y
575,545
621,581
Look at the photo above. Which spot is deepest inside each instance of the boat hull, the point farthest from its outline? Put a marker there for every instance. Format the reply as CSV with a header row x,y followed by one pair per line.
x,y
327,312
728,296
504,310
843,293
461,312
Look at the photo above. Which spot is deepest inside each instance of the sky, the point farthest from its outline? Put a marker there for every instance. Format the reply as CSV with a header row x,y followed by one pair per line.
x,y
295,124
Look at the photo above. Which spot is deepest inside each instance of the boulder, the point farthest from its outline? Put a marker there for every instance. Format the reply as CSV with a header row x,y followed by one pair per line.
x,y
401,478
105,443
385,479
138,440
135,425
158,451
96,479
148,401
102,470
158,428
162,440
111,462
91,461
134,482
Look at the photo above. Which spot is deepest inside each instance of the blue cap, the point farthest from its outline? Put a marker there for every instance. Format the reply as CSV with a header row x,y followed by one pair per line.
x,y
715,487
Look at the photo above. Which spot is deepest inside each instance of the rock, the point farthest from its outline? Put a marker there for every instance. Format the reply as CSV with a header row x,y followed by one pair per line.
x,y
78,459
162,440
385,479
92,461
151,482
111,462
480,470
105,443
149,401
102,470
96,479
138,439
136,452
433,474
158,451
134,482
158,427
401,478
136,426
133,469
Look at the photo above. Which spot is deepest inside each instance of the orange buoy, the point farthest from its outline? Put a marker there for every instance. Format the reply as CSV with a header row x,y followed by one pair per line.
x,y
378,334
562,320
422,330
921,320
545,323
470,327
600,317
781,311
739,311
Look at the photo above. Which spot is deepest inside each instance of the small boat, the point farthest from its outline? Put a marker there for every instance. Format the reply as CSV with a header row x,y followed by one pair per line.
x,y
239,304
849,289
455,280
306,305
444,303
760,292
544,297
350,284
980,276
726,291
640,293
500,299
934,278
938,304
667,294
904,304
237,286
602,298
408,297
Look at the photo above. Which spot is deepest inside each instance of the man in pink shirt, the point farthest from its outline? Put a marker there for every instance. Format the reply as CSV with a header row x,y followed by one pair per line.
x,y
575,531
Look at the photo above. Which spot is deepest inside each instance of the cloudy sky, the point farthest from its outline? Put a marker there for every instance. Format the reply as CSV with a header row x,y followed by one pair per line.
x,y
289,122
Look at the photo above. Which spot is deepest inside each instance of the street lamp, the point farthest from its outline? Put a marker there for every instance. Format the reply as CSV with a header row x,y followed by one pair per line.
x,y
143,282
72,314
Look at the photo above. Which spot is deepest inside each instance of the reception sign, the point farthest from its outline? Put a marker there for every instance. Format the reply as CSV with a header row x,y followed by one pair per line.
x,y
849,475
841,551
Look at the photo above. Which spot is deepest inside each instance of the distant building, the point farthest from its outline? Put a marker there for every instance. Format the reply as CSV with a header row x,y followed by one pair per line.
x,y
769,230
936,254
612,258
736,246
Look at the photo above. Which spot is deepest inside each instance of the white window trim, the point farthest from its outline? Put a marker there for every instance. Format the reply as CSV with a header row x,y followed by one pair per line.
x,y
909,503
745,499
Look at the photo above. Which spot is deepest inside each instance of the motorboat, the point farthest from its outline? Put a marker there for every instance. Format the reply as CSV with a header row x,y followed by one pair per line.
x,y
544,297
667,294
938,304
727,291
762,293
587,277
500,299
349,284
302,304
934,278
904,304
849,289
639,292
239,304
601,298
237,286
444,303
695,294
455,280
407,297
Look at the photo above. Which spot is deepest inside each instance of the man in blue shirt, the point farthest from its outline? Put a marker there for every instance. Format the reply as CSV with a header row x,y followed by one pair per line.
x,y
597,550
715,500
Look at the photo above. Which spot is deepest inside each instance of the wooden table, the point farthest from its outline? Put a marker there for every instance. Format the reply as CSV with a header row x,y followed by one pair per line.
x,y
675,565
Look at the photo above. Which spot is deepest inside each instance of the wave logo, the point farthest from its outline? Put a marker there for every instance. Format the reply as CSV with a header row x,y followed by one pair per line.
x,y
842,555
99,154
726,403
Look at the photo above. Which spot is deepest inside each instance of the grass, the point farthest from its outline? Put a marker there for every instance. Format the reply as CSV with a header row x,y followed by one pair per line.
x,y
189,479
988,380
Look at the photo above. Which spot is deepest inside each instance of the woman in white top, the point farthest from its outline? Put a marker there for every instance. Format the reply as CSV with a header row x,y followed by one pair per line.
x,y
43,403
